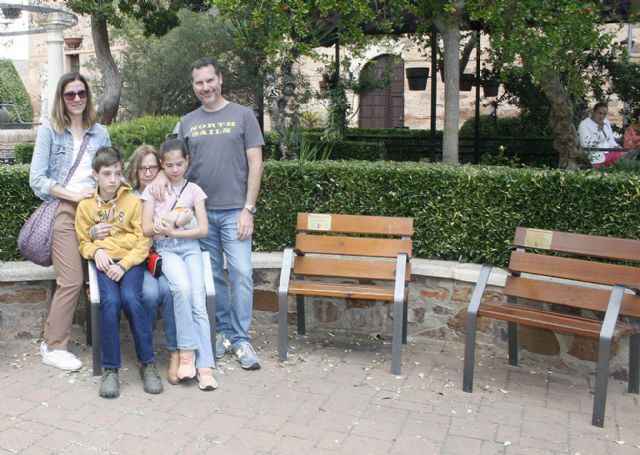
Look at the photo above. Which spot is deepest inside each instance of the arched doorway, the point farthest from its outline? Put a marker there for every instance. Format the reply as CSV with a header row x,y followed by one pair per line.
x,y
384,108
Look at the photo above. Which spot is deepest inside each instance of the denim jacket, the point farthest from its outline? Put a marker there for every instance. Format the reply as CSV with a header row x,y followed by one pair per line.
x,y
53,153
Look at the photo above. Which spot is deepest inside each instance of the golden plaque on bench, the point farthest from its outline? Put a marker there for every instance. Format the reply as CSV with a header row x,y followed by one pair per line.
x,y
538,238
319,222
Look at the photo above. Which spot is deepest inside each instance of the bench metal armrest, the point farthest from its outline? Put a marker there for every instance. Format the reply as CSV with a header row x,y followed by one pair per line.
x,y
478,291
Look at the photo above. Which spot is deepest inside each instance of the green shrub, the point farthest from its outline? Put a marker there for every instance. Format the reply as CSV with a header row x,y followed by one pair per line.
x,y
462,212
144,130
24,152
12,90
17,202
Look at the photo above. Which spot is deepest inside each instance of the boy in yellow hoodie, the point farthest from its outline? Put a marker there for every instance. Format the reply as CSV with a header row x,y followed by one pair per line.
x,y
119,259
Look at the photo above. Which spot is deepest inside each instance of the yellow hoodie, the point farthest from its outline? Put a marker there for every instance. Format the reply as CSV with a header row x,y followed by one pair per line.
x,y
126,241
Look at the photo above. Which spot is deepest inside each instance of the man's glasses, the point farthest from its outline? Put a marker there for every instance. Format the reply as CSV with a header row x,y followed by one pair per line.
x,y
146,169
70,96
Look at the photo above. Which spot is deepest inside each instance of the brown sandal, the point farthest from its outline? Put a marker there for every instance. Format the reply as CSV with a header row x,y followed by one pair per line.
x,y
206,381
187,368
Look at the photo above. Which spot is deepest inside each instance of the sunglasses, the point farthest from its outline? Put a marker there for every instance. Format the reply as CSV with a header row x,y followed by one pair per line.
x,y
70,96
151,169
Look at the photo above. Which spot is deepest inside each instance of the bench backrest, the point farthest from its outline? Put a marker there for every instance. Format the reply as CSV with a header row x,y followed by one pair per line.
x,y
575,264
327,251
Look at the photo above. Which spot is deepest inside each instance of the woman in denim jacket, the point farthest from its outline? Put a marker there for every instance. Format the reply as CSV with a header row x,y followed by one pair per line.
x,y
57,146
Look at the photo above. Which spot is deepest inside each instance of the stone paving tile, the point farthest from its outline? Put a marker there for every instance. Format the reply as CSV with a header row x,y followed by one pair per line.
x,y
333,396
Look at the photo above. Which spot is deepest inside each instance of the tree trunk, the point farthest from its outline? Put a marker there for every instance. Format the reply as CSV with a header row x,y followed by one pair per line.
x,y
566,141
280,88
109,101
450,31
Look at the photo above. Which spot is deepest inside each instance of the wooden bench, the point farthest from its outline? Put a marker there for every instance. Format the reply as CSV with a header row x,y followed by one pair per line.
x,y
92,306
573,279
351,257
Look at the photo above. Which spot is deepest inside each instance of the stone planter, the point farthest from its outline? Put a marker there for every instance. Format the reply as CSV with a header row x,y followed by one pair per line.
x,y
417,78
74,42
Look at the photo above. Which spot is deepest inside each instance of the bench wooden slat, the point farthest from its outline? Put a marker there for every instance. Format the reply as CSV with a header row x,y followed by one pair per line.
x,y
587,245
353,246
568,294
346,268
344,290
550,320
574,269
361,224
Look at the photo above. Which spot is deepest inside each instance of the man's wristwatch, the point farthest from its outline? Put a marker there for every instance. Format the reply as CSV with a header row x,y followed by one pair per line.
x,y
251,208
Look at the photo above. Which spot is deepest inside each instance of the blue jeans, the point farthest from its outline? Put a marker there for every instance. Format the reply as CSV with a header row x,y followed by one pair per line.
x,y
182,267
234,303
125,295
156,292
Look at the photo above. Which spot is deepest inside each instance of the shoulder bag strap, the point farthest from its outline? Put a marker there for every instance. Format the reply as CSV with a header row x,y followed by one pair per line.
x,y
186,182
83,147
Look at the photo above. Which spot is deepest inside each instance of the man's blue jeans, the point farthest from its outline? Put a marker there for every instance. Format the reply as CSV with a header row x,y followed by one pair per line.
x,y
234,302
125,295
156,292
183,269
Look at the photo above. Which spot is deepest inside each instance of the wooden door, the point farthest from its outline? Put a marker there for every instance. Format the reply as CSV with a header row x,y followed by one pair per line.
x,y
384,108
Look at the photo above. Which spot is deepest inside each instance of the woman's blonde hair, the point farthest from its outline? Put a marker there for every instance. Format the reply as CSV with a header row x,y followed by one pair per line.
x,y
136,159
59,116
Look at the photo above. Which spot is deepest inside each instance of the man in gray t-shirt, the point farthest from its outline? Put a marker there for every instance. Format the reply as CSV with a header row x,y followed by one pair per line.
x,y
225,145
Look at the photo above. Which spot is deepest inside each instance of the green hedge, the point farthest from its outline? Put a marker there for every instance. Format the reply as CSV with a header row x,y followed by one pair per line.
x,y
465,213
12,90
462,212
144,130
24,152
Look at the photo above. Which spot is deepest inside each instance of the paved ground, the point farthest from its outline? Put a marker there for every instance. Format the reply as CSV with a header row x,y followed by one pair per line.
x,y
335,397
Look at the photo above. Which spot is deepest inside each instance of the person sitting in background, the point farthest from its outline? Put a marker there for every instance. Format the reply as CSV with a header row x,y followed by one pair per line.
x,y
596,136
632,136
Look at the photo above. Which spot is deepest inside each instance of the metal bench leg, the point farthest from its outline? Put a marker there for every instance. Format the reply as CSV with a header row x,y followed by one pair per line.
x,y
405,316
96,345
302,326
399,314
396,341
283,332
87,313
604,355
634,363
283,303
512,336
469,352
470,335
602,379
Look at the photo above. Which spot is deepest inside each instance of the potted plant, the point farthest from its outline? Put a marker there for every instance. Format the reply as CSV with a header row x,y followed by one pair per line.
x,y
490,87
466,82
417,77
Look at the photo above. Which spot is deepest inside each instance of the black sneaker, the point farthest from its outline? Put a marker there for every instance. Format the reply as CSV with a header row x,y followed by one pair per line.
x,y
110,384
151,379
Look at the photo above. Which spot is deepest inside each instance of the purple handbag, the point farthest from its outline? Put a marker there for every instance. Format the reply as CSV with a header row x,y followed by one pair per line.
x,y
36,235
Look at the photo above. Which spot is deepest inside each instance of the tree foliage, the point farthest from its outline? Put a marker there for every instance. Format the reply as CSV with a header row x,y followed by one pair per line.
x,y
558,44
156,69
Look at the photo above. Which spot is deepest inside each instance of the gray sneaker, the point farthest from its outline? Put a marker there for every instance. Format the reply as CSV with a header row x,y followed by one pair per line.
x,y
246,356
151,379
223,345
110,384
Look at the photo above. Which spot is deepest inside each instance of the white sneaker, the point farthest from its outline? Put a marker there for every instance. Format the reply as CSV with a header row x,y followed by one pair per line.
x,y
58,358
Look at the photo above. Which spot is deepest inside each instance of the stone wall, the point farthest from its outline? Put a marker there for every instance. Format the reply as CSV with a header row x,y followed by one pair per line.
x,y
438,297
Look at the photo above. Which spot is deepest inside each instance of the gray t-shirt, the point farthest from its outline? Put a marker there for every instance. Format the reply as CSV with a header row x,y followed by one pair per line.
x,y
217,142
